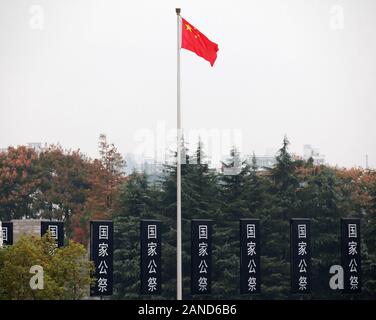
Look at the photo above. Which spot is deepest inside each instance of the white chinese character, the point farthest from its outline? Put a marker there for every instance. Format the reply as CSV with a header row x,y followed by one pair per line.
x,y
152,266
251,248
251,283
302,266
103,267
152,231
302,248
202,266
352,248
353,265
53,231
152,284
353,282
5,234
202,231
252,266
203,249
302,231
302,283
152,249
103,250
203,284
251,231
352,230
102,284
103,232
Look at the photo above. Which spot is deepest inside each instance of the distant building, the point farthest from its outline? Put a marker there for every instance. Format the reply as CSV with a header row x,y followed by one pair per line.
x,y
149,166
269,159
139,163
265,161
37,146
154,168
309,152
132,164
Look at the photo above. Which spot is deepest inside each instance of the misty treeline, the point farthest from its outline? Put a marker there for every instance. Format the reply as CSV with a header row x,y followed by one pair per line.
x,y
68,186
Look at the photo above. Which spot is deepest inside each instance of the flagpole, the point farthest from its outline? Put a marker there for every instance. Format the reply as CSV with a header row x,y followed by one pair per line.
x,y
178,171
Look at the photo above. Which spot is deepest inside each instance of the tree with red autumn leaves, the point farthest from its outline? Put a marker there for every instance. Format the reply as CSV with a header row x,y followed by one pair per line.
x,y
60,184
106,176
19,182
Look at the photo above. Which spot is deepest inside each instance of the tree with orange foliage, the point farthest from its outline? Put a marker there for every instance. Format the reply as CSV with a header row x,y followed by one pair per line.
x,y
19,182
65,185
114,165
105,177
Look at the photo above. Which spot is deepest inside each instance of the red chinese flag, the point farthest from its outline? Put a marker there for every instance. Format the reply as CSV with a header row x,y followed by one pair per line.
x,y
195,41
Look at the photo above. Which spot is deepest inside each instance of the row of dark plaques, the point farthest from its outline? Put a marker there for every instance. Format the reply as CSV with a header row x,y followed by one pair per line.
x,y
101,253
250,253
56,229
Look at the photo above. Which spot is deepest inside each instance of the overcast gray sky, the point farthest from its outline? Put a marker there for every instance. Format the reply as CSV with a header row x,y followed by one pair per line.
x,y
70,70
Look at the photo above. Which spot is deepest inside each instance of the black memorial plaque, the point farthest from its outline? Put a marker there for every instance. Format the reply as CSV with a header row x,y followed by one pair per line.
x,y
201,256
101,253
300,233
7,233
250,282
150,237
56,228
351,255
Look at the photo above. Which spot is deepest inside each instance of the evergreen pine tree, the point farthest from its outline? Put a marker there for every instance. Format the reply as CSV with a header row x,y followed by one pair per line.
x,y
232,182
275,226
137,201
